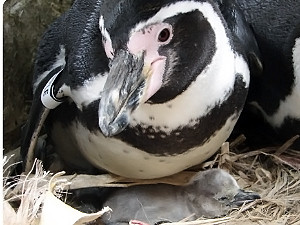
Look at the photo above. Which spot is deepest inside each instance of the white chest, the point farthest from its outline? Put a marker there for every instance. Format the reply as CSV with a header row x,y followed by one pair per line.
x,y
117,157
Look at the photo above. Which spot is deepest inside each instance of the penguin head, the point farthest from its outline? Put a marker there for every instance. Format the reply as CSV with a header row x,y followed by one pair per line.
x,y
220,190
156,50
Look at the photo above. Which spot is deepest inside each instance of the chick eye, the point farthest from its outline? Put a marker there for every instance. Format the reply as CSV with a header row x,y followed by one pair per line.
x,y
223,198
164,35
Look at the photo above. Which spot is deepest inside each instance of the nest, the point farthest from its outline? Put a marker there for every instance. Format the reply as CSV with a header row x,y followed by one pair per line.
x,y
272,172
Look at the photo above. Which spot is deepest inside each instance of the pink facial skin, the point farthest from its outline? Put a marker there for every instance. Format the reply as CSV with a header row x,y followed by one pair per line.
x,y
149,40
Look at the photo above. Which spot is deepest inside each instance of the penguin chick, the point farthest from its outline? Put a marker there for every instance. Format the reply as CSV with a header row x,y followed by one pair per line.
x,y
210,193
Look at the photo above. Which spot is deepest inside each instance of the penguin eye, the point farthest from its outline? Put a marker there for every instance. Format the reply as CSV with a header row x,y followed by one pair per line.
x,y
164,35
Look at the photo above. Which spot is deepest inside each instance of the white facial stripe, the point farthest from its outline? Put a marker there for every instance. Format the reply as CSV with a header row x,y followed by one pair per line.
x,y
184,7
89,92
167,12
106,38
290,106
60,61
296,61
175,9
241,67
103,30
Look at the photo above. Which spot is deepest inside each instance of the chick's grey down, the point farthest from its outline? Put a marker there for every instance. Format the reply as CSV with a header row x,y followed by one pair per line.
x,y
210,194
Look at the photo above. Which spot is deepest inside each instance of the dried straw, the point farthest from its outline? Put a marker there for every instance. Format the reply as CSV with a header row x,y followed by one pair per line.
x,y
31,196
267,172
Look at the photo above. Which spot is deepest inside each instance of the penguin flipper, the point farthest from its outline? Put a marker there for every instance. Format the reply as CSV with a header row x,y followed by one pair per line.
x,y
44,99
33,127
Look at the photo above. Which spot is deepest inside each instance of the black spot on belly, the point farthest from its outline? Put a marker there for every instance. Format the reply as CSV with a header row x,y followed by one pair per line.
x,y
151,130
184,138
126,151
141,171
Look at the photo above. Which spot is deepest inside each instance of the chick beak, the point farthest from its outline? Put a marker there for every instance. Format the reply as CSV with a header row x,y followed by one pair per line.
x,y
123,92
244,196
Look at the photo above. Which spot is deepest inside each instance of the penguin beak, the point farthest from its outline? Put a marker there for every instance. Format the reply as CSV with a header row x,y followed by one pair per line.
x,y
243,197
123,91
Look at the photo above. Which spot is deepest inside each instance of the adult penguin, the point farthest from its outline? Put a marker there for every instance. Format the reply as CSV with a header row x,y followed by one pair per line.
x,y
142,89
275,93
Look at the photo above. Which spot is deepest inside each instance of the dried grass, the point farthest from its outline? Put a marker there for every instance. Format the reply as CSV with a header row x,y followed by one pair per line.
x,y
269,172
31,194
